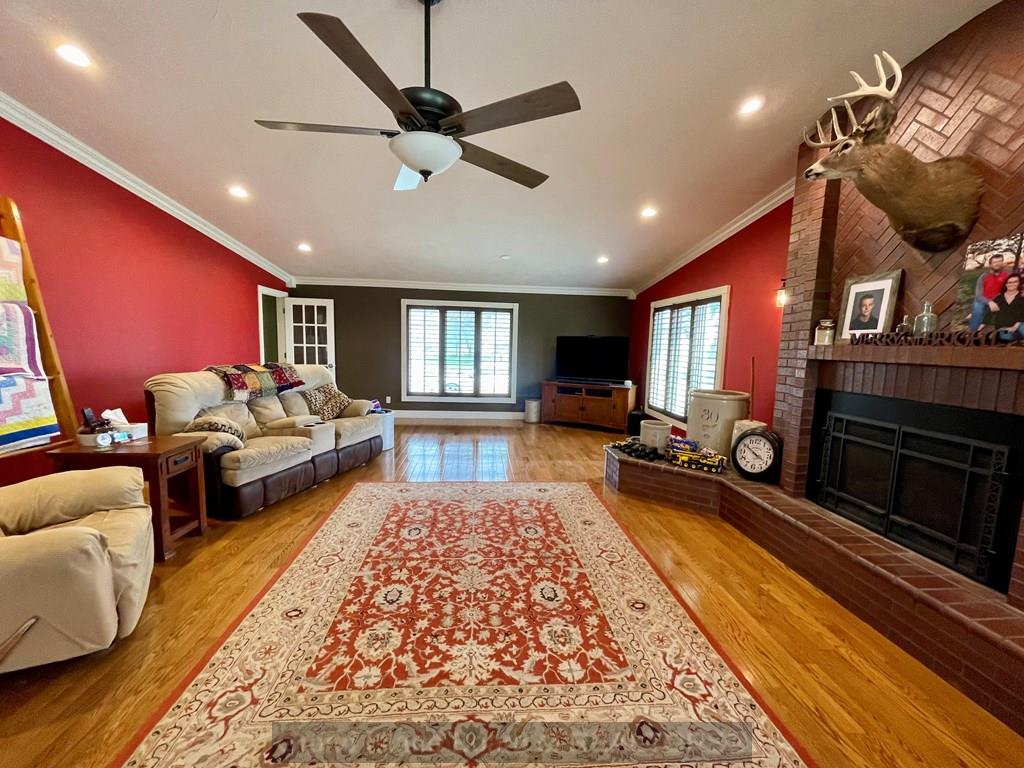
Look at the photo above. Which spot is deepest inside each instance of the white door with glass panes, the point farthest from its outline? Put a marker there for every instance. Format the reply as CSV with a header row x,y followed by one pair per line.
x,y
309,332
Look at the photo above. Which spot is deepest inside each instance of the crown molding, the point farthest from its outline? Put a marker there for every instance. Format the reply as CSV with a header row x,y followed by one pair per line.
x,y
750,215
416,285
37,125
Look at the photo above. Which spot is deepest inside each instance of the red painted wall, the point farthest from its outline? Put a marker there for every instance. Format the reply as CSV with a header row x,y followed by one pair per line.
x,y
752,262
130,290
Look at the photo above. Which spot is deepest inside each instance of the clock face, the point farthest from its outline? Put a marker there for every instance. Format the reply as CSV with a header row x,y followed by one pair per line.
x,y
755,454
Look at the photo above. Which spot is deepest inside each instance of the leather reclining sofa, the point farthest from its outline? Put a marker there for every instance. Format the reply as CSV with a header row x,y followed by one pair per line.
x,y
286,449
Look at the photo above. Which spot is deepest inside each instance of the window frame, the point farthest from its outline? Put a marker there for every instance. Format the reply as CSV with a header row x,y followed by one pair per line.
x,y
721,293
442,305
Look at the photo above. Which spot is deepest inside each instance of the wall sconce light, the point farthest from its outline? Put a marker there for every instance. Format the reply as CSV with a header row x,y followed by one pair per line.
x,y
782,295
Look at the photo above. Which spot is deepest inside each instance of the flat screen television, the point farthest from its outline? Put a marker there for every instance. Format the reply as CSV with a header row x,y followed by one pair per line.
x,y
592,358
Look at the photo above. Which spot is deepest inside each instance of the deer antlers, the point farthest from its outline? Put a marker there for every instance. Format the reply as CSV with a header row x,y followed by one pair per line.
x,y
837,135
862,90
879,90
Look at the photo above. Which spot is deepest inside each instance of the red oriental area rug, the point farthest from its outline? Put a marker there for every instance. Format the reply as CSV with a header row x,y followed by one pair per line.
x,y
466,624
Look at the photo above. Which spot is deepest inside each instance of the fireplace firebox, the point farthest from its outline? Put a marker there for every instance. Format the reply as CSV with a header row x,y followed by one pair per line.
x,y
945,482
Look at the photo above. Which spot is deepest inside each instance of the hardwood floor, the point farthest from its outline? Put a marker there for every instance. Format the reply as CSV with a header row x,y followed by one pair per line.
x,y
846,693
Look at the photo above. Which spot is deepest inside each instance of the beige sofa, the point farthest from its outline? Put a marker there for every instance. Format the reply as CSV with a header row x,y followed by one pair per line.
x,y
76,554
286,449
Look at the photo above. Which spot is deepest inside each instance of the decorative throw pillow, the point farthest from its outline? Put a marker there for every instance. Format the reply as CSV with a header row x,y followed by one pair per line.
x,y
326,401
215,424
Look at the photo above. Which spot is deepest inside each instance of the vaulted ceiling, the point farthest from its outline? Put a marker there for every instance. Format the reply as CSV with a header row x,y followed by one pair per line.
x,y
176,86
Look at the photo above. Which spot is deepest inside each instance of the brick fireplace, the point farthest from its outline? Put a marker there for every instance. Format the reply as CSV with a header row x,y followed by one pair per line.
x,y
950,595
964,96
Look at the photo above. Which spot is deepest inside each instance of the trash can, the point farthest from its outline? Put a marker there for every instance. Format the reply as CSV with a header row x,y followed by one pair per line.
x,y
533,411
633,422
712,414
387,430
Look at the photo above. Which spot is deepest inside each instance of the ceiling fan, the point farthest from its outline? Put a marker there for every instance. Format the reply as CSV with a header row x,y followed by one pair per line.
x,y
432,123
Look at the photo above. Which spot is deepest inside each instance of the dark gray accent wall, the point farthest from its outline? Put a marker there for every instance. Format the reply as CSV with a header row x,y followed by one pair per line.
x,y
368,336
270,350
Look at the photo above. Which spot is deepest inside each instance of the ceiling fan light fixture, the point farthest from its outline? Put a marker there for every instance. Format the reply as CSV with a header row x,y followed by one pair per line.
x,y
426,152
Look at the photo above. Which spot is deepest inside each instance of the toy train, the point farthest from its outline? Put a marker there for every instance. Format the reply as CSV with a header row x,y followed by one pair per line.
x,y
679,451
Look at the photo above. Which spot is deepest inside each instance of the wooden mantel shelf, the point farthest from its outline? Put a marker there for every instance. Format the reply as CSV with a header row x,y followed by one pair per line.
x,y
998,358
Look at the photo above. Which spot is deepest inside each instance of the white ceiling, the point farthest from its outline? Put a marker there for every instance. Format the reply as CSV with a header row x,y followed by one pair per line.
x,y
177,85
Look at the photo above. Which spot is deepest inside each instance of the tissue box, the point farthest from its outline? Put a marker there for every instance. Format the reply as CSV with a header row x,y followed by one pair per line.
x,y
137,431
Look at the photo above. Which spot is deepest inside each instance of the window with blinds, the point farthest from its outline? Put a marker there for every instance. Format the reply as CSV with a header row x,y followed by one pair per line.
x,y
684,353
459,351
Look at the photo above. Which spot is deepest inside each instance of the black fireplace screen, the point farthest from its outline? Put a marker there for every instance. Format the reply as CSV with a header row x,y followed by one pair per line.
x,y
935,493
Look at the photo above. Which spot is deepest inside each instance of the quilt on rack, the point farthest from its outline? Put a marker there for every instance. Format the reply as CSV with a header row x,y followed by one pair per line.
x,y
19,353
12,281
27,416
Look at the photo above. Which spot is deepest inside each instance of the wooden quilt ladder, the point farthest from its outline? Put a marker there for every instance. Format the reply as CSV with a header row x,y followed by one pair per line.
x,y
11,228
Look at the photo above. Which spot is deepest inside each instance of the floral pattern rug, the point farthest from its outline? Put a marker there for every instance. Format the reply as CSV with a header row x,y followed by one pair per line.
x,y
466,624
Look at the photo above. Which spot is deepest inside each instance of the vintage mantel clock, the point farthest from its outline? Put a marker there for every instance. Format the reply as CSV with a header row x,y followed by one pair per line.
x,y
757,454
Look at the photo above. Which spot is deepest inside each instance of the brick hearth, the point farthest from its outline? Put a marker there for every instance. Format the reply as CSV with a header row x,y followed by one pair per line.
x,y
964,631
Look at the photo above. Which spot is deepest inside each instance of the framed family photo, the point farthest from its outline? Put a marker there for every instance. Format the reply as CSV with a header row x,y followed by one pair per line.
x,y
989,267
869,304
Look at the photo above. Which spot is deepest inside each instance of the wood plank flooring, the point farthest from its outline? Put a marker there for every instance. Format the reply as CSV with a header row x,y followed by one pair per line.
x,y
851,697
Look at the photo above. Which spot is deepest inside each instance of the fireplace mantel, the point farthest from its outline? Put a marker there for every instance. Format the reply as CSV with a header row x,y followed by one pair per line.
x,y
1009,358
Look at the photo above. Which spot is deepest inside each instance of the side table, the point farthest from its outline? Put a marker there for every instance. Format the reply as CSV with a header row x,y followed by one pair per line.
x,y
165,462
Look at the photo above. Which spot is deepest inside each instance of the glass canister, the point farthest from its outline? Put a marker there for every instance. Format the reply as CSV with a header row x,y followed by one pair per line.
x,y
927,322
904,328
825,333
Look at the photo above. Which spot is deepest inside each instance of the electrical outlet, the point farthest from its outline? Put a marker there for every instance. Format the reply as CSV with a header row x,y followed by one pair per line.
x,y
387,399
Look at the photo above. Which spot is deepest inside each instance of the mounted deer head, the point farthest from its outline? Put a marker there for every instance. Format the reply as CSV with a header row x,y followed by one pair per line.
x,y
933,206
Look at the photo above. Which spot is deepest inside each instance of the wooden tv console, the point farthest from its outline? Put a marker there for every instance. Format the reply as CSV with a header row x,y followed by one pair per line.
x,y
602,405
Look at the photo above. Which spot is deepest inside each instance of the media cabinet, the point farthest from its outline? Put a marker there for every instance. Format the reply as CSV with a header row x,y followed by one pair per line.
x,y
600,405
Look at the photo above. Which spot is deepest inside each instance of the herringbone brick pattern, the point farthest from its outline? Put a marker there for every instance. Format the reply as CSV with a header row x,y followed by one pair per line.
x,y
965,96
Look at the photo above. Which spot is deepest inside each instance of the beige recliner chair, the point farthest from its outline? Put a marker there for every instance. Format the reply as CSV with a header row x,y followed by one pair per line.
x,y
76,554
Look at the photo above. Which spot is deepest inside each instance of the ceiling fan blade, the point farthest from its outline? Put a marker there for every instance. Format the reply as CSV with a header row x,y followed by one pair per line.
x,y
495,163
336,36
407,179
552,100
278,125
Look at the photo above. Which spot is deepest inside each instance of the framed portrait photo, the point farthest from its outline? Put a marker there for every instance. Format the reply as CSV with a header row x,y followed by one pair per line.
x,y
869,304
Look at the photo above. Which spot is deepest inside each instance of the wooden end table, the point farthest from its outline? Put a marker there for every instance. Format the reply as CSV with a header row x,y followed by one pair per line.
x,y
162,460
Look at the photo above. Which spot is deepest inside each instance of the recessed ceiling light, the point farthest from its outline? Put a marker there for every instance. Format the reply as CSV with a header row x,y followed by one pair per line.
x,y
74,55
504,257
305,247
649,212
602,259
237,190
751,105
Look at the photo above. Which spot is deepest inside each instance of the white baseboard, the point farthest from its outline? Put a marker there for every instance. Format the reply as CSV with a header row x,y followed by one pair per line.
x,y
465,418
